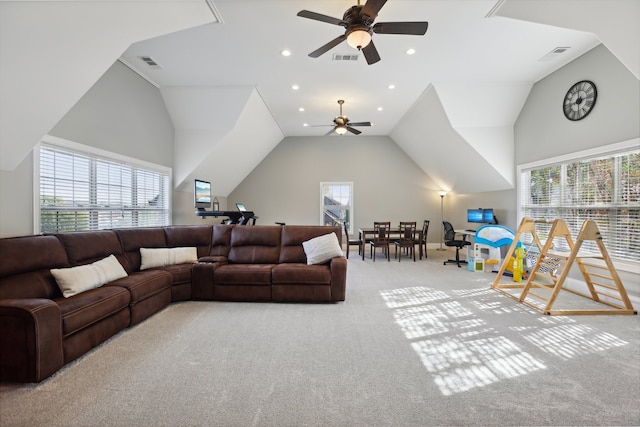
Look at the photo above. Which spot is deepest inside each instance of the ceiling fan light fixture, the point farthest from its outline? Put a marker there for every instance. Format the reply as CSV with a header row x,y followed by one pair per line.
x,y
341,130
359,38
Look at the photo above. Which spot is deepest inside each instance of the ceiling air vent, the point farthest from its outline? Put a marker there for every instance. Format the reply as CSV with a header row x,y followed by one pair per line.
x,y
345,57
553,54
150,62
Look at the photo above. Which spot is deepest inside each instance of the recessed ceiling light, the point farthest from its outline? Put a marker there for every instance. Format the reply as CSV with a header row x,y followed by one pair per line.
x,y
301,109
286,52
305,124
391,86
379,108
410,51
295,87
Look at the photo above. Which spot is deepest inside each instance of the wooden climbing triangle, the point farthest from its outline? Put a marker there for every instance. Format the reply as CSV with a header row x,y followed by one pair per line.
x,y
547,278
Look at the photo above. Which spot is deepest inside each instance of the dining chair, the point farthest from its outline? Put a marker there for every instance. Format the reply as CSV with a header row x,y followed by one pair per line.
x,y
407,240
351,242
451,241
380,238
421,240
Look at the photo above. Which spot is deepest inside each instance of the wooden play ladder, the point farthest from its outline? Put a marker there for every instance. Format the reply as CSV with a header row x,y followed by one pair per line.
x,y
548,276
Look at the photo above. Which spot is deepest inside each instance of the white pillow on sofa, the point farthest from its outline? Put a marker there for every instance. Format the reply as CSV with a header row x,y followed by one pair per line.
x,y
322,248
159,257
75,280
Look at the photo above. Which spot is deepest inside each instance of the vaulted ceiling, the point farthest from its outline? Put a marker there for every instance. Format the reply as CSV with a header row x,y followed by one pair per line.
x,y
229,90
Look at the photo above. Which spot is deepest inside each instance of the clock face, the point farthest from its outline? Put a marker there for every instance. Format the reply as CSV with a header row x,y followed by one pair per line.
x,y
579,100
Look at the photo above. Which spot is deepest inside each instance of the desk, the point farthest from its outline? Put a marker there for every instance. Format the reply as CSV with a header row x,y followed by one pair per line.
x,y
393,231
465,233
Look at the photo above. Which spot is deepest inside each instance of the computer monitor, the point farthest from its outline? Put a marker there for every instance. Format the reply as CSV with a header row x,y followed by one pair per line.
x,y
241,207
475,216
202,194
487,216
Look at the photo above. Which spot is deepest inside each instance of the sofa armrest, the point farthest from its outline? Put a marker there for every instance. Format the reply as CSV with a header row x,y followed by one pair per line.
x,y
202,280
338,278
30,339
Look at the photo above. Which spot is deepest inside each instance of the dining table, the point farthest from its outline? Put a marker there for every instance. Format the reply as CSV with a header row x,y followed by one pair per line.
x,y
393,232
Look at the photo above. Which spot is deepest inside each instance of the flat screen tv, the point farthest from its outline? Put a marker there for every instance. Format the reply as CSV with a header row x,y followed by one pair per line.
x,y
475,216
202,194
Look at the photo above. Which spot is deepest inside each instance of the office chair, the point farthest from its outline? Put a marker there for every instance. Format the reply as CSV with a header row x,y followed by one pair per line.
x,y
450,240
380,239
351,242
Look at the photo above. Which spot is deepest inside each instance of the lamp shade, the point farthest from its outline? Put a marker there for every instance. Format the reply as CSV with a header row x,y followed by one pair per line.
x,y
341,130
359,38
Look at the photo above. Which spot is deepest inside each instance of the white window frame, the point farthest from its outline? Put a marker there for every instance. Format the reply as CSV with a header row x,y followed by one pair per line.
x,y
348,207
610,149
82,149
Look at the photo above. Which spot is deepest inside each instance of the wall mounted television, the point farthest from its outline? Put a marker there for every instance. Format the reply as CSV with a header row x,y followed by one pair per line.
x,y
201,194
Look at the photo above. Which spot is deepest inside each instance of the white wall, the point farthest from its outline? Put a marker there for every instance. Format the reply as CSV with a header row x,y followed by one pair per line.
x,y
121,113
542,131
388,184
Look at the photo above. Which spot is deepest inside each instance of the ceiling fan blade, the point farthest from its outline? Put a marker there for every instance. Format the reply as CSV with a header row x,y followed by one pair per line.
x,y
410,28
354,131
371,53
327,47
320,17
330,132
371,8
359,124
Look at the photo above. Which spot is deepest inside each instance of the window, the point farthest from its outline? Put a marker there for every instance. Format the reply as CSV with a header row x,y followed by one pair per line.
x,y
604,187
336,203
78,189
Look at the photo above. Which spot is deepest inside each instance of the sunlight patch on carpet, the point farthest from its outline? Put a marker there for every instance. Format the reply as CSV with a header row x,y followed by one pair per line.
x,y
462,352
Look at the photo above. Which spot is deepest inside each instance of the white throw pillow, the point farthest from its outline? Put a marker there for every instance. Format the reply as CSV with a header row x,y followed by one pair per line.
x,y
74,280
322,248
159,257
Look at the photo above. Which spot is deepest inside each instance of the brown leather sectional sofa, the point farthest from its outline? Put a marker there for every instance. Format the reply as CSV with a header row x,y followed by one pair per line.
x,y
41,331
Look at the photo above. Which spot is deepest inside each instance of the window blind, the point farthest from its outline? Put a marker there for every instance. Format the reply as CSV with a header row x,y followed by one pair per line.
x,y
81,191
605,189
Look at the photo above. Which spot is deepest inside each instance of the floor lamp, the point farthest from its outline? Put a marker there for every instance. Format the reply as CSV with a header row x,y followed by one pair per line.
x,y
442,194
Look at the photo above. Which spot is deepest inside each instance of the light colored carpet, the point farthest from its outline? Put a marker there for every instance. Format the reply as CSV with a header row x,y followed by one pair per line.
x,y
414,344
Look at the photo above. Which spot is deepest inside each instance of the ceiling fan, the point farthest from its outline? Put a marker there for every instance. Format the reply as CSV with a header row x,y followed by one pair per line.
x,y
359,27
342,124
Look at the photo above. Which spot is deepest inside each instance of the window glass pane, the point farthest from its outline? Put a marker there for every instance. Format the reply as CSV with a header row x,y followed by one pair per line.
x,y
79,191
605,189
336,203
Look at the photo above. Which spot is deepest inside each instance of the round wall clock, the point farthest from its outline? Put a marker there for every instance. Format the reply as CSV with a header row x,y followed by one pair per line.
x,y
579,100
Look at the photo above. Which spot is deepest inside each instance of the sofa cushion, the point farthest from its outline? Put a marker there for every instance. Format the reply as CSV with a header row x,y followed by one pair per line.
x,y
85,247
293,236
181,272
243,274
132,239
25,264
78,279
258,244
144,284
198,236
159,257
221,240
322,248
82,310
301,274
